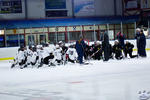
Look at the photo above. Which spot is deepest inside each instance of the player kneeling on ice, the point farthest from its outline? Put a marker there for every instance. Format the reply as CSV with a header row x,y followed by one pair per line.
x,y
49,60
47,55
117,50
64,50
34,57
71,54
29,53
40,52
15,61
129,49
97,51
58,55
20,58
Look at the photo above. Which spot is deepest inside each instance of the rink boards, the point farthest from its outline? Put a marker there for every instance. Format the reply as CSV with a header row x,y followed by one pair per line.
x,y
9,53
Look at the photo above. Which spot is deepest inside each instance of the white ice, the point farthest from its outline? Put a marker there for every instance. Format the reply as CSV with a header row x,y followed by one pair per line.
x,y
112,80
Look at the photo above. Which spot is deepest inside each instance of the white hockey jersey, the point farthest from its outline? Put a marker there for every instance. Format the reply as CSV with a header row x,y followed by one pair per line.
x,y
53,47
58,54
29,55
33,57
40,53
46,51
72,53
20,56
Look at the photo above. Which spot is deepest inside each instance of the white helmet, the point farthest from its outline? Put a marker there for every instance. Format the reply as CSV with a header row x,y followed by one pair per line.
x,y
98,42
138,29
57,46
60,42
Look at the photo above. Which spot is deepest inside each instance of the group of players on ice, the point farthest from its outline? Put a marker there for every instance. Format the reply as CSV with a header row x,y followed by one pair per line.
x,y
59,53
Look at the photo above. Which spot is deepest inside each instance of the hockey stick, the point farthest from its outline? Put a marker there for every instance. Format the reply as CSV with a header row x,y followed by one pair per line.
x,y
94,53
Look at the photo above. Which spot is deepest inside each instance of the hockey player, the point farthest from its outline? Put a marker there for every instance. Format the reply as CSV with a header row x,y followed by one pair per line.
x,y
34,57
15,61
20,58
117,50
40,52
58,55
29,53
129,49
71,54
46,50
48,56
64,50
49,60
53,46
91,50
97,51
63,47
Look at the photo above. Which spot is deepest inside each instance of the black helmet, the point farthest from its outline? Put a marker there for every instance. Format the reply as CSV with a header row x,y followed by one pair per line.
x,y
21,46
34,48
30,47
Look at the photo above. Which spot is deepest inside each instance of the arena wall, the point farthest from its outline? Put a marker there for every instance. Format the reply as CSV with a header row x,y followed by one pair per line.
x,y
35,9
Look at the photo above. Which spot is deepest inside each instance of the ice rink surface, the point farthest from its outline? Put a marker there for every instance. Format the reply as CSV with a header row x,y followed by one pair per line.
x,y
112,80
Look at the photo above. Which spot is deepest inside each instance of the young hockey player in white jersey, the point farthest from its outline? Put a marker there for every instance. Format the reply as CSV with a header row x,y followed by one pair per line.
x,y
34,57
53,46
49,60
64,50
48,56
58,55
46,50
15,61
71,54
29,54
40,52
20,58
